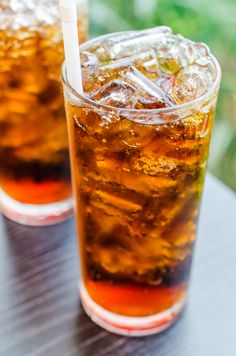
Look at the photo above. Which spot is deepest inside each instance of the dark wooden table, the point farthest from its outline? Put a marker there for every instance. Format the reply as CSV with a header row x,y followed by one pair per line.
x,y
40,310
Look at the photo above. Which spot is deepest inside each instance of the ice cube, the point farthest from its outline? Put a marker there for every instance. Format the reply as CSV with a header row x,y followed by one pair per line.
x,y
119,64
174,53
169,65
20,6
45,13
117,202
125,36
134,46
146,62
29,13
201,54
150,95
190,83
166,83
116,93
90,69
130,43
89,60
157,166
157,29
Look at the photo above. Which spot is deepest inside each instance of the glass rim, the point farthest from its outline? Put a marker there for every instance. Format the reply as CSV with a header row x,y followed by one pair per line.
x,y
142,112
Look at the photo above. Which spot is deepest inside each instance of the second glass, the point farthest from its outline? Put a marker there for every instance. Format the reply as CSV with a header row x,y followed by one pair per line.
x,y
35,186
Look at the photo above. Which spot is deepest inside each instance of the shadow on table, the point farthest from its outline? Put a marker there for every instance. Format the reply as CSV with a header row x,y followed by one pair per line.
x,y
41,262
96,341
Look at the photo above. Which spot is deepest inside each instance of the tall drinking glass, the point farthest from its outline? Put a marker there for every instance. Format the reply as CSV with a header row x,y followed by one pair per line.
x,y
35,185
139,142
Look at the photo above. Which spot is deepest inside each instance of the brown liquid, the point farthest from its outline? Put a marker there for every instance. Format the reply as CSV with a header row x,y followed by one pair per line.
x,y
34,163
139,189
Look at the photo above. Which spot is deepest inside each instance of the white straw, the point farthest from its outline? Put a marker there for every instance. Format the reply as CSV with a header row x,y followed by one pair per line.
x,y
68,12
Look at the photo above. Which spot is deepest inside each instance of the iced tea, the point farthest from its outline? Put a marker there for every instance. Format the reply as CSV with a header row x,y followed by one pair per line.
x,y
34,164
139,147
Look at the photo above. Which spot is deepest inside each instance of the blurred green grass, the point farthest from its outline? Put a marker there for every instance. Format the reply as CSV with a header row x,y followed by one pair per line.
x,y
209,21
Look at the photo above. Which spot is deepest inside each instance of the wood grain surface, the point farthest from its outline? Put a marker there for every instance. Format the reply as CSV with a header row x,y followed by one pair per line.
x,y
40,309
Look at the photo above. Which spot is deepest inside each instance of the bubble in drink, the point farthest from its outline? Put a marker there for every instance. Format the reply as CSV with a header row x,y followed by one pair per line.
x,y
139,177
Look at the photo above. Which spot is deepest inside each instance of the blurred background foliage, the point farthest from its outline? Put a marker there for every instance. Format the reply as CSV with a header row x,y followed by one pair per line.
x,y
210,21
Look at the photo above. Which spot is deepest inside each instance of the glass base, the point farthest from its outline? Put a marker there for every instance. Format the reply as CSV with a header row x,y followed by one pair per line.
x,y
130,326
35,215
